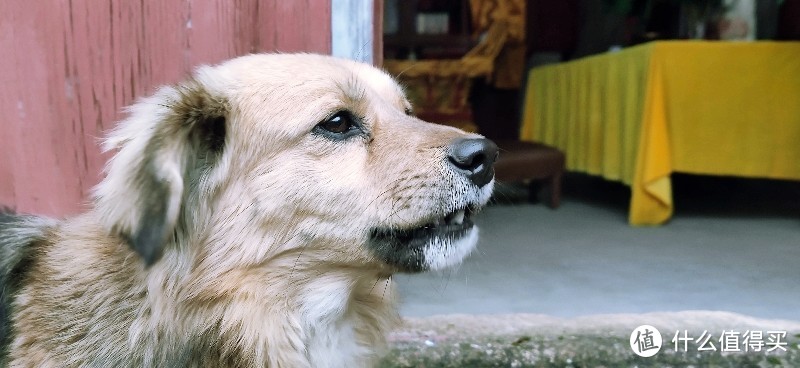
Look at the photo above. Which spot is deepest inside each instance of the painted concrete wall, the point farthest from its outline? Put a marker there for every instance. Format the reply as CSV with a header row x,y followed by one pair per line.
x,y
68,67
352,29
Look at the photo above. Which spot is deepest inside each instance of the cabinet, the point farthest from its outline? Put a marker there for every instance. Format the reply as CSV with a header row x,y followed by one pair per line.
x,y
427,29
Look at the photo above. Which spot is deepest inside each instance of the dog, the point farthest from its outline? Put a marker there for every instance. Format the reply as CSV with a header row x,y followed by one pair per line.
x,y
251,216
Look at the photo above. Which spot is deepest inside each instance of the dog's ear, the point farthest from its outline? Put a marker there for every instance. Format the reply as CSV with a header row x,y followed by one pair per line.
x,y
177,130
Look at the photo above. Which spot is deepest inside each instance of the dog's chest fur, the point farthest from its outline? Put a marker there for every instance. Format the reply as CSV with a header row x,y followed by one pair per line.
x,y
332,323
100,309
335,345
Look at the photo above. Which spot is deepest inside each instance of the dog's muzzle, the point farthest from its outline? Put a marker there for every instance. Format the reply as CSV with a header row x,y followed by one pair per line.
x,y
444,239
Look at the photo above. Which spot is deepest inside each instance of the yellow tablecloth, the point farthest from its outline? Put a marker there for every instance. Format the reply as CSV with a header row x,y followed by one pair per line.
x,y
703,107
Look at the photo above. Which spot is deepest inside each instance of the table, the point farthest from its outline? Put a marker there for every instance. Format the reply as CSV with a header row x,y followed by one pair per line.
x,y
700,107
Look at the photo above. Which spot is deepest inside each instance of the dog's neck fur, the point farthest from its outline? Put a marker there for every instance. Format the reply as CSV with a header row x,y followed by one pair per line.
x,y
318,316
325,312
253,325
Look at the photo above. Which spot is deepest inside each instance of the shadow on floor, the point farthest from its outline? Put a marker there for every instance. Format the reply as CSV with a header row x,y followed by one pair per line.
x,y
693,195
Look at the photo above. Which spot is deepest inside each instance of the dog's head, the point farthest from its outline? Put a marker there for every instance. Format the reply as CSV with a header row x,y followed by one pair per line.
x,y
277,156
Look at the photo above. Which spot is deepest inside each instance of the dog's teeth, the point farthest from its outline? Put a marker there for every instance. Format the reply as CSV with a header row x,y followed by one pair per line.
x,y
458,217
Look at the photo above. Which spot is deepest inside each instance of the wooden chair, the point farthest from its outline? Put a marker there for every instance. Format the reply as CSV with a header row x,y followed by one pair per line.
x,y
440,89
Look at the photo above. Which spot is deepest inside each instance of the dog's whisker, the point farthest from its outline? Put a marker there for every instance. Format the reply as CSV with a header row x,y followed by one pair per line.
x,y
414,65
386,286
373,285
395,188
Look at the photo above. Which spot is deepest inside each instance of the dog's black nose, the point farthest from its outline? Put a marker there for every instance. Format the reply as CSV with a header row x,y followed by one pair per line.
x,y
475,158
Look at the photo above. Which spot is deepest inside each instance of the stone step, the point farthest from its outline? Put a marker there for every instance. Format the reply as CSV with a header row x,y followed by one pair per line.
x,y
528,340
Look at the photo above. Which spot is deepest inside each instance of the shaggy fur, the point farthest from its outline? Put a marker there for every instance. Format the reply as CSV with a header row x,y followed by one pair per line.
x,y
235,229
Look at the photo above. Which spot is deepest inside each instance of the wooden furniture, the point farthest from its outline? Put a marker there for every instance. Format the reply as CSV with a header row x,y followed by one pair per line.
x,y
439,89
532,164
405,42
700,107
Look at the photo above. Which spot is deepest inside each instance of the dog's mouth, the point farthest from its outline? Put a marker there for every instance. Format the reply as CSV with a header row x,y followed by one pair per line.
x,y
451,224
434,244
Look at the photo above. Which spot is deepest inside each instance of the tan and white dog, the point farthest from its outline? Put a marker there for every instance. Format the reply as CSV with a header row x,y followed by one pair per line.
x,y
251,216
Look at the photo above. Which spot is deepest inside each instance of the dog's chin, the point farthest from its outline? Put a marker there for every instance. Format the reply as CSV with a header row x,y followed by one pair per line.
x,y
435,245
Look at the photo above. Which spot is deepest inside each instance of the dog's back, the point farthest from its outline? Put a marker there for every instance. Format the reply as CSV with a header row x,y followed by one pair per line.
x,y
17,235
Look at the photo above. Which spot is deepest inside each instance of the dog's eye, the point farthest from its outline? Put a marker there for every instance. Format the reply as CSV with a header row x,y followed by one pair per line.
x,y
339,123
339,126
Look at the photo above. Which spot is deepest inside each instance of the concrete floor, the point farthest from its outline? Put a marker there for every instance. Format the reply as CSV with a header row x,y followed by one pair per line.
x,y
723,251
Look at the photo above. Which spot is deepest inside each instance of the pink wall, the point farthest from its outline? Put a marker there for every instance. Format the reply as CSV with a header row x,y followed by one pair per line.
x,y
68,67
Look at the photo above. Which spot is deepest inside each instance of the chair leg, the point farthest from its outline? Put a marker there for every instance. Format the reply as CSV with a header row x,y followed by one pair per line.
x,y
554,187
534,190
